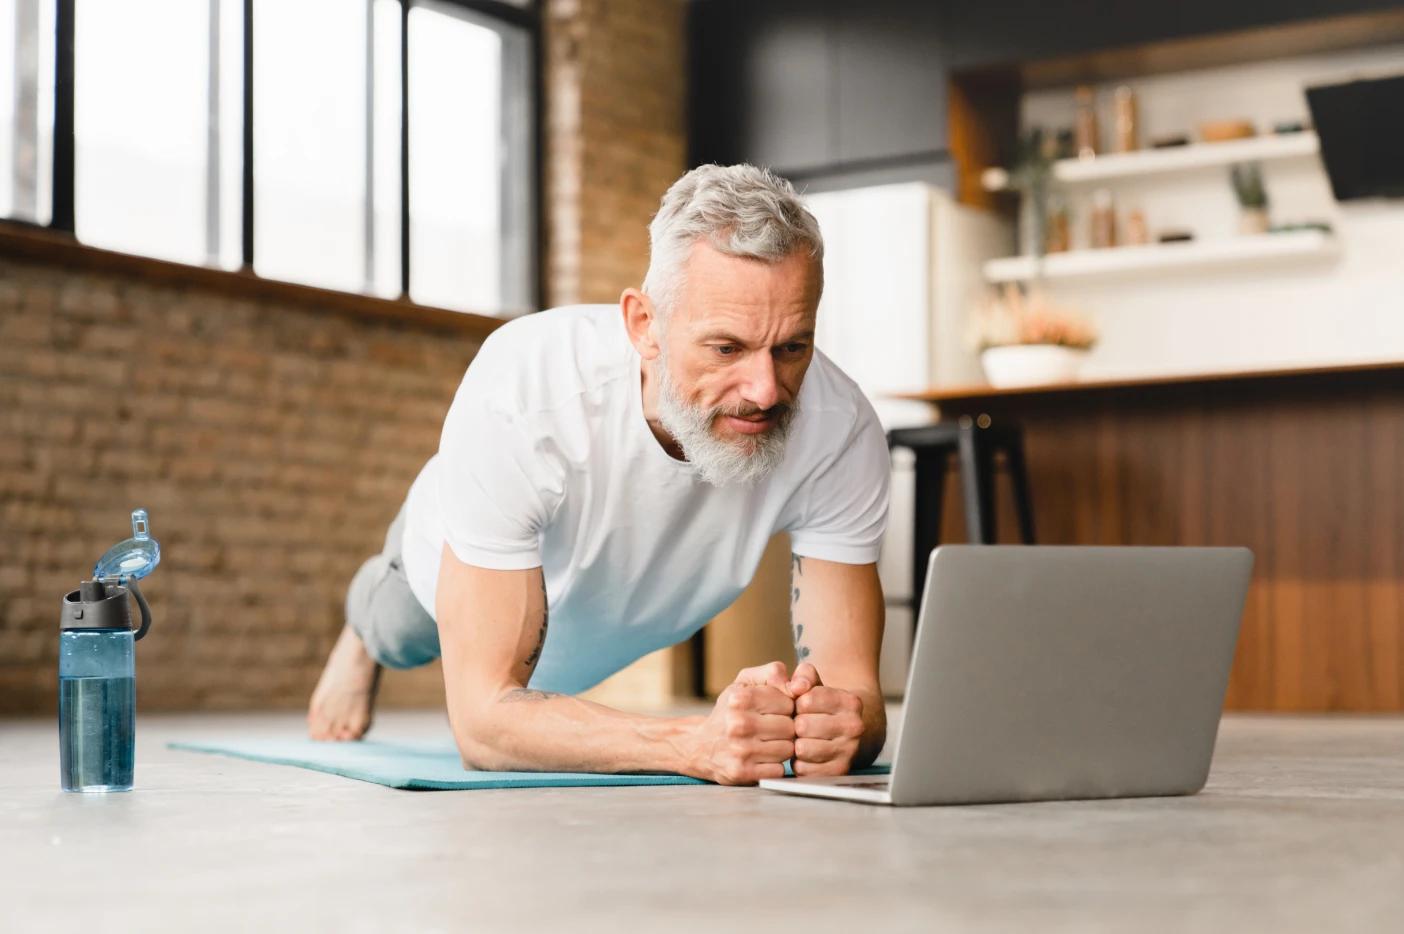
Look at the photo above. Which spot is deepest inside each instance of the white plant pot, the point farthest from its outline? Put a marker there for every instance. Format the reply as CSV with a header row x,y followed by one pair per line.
x,y
1253,221
1031,364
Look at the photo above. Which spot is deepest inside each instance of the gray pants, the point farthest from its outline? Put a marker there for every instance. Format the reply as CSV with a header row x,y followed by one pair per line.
x,y
384,612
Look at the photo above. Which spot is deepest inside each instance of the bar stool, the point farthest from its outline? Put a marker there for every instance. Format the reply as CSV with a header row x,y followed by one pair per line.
x,y
975,441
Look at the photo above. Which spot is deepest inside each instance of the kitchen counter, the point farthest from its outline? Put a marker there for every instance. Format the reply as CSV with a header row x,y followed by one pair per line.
x,y
961,396
1303,466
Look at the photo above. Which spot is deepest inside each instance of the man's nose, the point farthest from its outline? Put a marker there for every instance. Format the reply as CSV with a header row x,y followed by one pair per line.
x,y
761,388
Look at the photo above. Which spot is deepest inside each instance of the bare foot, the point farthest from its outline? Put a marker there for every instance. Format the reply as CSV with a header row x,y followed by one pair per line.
x,y
345,693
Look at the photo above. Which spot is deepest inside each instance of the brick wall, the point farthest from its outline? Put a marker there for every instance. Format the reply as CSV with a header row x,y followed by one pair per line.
x,y
271,444
270,440
616,138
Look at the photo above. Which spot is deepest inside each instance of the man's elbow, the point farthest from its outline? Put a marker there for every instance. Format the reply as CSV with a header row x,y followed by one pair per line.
x,y
477,755
478,734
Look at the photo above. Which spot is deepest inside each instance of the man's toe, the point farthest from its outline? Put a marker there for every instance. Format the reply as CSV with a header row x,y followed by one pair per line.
x,y
320,725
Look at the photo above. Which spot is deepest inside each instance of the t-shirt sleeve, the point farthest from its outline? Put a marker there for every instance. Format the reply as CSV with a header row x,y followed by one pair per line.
x,y
844,512
499,481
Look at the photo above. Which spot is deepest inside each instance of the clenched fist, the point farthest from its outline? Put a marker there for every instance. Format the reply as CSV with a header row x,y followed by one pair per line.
x,y
828,724
750,732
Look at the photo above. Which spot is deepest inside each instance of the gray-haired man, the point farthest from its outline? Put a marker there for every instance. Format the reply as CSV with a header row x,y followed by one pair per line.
x,y
607,480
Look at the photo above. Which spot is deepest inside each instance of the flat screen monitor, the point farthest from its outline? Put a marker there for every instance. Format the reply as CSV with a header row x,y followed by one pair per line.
x,y
1361,127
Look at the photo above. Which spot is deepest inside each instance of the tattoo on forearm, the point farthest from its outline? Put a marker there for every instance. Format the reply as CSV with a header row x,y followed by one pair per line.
x,y
801,650
535,655
517,695
796,572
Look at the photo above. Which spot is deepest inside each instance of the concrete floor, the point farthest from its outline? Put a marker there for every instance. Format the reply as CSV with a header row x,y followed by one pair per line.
x,y
1300,829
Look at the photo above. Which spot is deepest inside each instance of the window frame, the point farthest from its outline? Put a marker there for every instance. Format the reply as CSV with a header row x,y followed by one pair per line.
x,y
526,17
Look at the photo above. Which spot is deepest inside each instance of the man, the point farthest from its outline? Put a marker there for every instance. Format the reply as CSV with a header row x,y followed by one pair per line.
x,y
606,482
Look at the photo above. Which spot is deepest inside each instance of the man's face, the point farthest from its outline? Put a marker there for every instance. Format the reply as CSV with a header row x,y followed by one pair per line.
x,y
735,350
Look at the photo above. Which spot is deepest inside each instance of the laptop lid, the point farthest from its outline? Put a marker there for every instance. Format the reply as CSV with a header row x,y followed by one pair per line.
x,y
1068,672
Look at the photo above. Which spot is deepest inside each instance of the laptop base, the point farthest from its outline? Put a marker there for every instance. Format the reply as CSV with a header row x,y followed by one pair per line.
x,y
869,789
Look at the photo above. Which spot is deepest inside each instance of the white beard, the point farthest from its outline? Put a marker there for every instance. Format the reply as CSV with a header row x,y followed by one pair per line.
x,y
747,460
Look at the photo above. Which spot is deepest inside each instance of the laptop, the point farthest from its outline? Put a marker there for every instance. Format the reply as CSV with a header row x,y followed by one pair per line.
x,y
1044,673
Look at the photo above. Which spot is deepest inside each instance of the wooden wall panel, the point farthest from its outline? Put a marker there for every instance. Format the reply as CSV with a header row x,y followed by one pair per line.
x,y
1308,473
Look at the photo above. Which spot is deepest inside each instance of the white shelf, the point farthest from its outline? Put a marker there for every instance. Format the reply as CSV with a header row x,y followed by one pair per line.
x,y
1174,159
1114,261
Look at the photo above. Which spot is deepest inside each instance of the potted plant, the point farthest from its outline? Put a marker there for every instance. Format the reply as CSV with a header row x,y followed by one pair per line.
x,y
1025,340
1248,186
1030,177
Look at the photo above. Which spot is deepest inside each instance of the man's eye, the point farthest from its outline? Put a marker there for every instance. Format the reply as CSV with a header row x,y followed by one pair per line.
x,y
794,348
726,350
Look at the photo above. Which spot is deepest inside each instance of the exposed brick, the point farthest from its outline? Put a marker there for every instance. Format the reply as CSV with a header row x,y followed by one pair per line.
x,y
616,100
15,578
240,427
18,483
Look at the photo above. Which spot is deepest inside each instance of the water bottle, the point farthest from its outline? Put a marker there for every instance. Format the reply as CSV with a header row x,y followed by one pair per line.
x,y
97,667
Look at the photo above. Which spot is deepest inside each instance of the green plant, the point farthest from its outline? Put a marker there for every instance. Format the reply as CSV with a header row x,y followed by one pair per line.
x,y
1034,153
1247,179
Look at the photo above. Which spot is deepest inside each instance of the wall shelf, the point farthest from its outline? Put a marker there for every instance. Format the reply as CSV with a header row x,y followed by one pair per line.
x,y
1233,251
1189,158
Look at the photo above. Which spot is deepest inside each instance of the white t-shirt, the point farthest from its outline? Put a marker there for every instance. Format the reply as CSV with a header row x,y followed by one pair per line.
x,y
546,460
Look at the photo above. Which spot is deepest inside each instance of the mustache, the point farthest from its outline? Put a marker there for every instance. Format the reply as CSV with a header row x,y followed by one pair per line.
x,y
750,411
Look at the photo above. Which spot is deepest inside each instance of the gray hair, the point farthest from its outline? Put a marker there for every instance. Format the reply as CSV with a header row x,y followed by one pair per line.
x,y
741,210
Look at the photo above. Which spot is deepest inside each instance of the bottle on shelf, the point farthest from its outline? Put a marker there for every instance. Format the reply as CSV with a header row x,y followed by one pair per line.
x,y
1085,127
1137,231
1103,220
1125,121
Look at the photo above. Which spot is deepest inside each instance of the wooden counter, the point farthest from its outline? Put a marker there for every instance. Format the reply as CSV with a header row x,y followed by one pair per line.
x,y
963,397
1305,467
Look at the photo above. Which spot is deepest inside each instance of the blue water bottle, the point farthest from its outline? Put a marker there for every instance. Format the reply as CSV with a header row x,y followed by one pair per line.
x,y
97,666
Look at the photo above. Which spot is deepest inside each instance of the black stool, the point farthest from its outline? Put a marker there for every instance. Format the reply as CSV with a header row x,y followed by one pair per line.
x,y
976,441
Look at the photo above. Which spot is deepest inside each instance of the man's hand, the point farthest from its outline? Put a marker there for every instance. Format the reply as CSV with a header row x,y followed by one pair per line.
x,y
750,732
828,724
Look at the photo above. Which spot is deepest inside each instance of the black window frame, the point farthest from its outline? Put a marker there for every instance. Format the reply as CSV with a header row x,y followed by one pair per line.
x,y
524,16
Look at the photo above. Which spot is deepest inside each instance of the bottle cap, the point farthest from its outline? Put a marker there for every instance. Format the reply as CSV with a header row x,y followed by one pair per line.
x,y
132,559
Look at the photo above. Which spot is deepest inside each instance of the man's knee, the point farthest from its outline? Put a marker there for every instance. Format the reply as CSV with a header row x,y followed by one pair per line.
x,y
384,612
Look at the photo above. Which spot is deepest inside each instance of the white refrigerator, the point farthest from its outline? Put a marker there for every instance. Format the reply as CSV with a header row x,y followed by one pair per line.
x,y
901,271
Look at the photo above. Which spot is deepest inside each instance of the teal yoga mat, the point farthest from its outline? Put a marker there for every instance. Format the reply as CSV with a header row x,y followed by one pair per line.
x,y
417,766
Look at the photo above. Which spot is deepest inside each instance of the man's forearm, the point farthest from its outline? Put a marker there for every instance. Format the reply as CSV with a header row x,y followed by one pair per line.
x,y
522,729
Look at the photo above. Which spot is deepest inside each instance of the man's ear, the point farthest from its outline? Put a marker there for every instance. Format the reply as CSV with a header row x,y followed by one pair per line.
x,y
640,320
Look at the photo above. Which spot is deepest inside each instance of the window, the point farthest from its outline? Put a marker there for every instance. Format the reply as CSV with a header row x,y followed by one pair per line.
x,y
156,128
354,104
310,154
26,109
469,131
384,174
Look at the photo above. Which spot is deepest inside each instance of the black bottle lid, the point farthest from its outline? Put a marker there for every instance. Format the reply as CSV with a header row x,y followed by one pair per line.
x,y
96,605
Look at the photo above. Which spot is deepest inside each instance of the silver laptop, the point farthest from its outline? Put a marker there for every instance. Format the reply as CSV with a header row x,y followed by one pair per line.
x,y
1047,673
